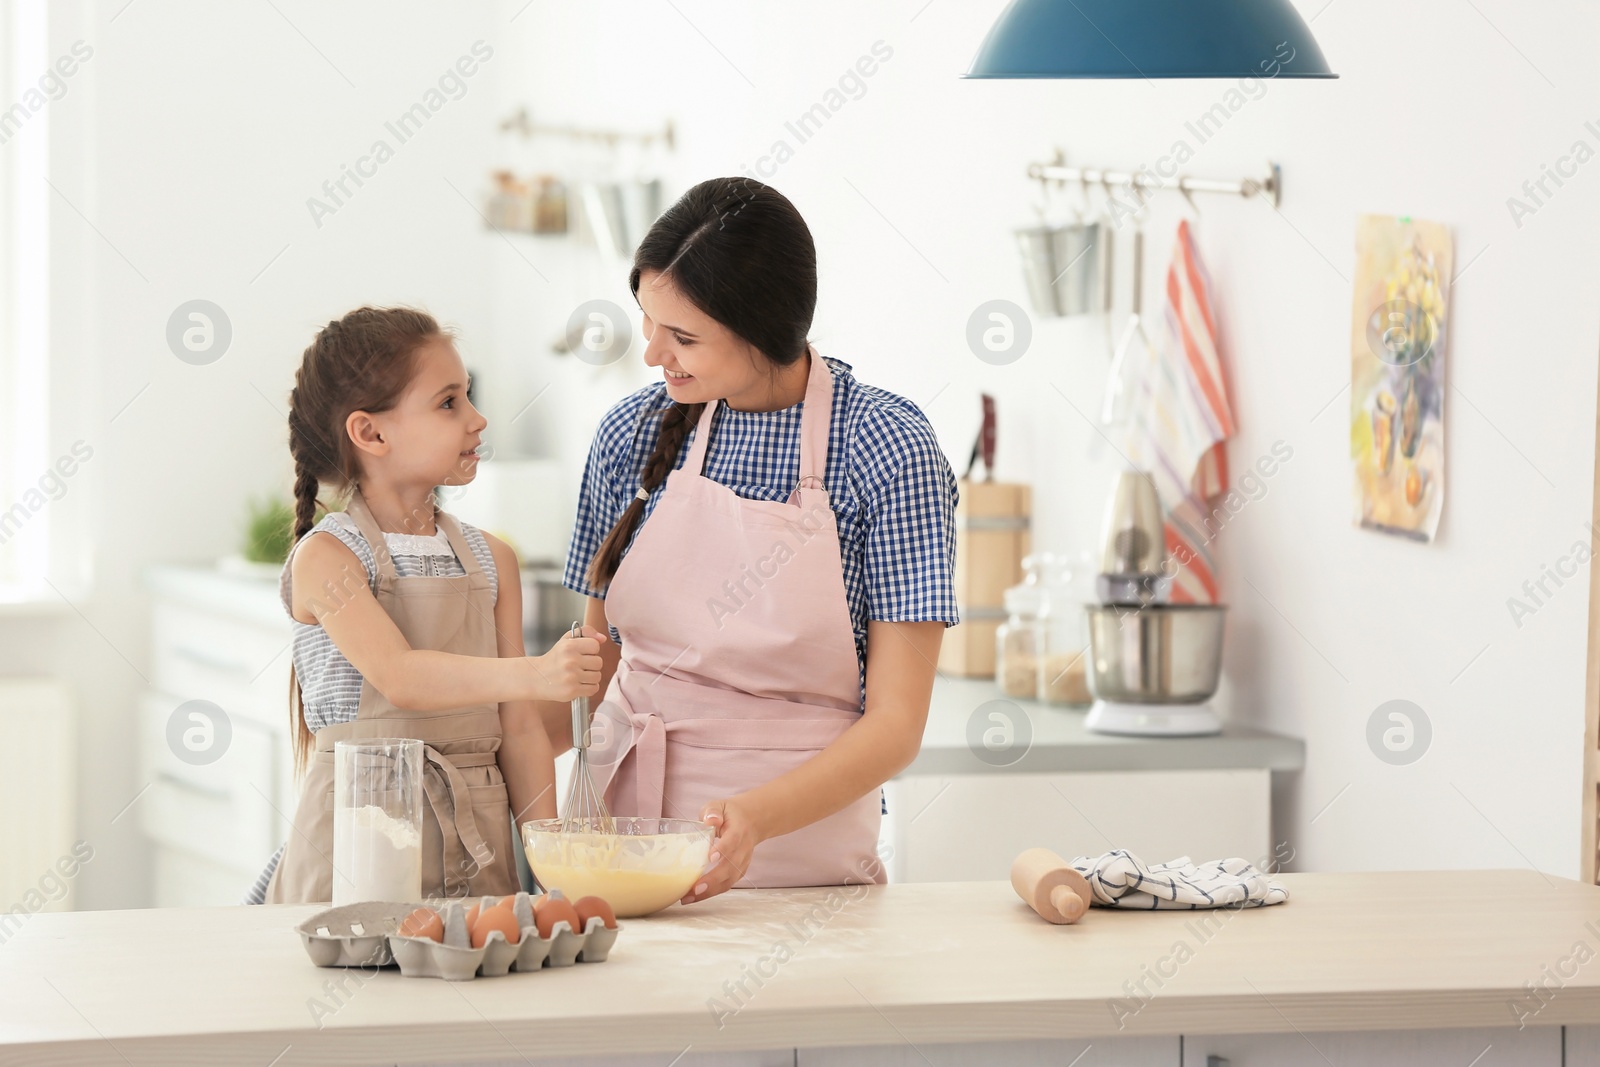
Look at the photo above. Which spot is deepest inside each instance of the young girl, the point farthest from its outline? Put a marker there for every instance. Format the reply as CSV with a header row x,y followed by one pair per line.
x,y
408,623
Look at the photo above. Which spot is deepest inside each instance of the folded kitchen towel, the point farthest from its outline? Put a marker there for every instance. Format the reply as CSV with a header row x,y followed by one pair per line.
x,y
1119,879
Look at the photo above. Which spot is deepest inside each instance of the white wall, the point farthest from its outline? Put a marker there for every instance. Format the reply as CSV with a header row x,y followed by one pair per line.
x,y
912,190
203,129
208,126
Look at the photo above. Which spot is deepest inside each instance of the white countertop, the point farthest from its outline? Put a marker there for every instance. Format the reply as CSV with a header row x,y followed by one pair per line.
x,y
921,963
1059,742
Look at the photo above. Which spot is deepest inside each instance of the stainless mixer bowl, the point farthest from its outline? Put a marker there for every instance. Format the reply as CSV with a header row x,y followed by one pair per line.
x,y
1161,654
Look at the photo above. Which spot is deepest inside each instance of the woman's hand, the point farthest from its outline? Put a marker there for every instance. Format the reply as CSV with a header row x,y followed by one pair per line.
x,y
737,837
570,669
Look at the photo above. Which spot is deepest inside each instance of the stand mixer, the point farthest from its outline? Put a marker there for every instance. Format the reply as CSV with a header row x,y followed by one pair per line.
x,y
1153,665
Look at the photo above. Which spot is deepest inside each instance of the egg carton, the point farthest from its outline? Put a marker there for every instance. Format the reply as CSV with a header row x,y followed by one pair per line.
x,y
367,935
353,935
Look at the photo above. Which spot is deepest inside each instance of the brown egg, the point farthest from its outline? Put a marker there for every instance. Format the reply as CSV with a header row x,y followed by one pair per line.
x,y
494,902
588,906
499,918
551,910
424,922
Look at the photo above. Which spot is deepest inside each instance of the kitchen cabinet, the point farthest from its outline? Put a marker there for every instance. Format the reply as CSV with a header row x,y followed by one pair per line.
x,y
1583,1046
965,808
213,823
1508,1047
783,1057
1099,1052
970,827
1103,1052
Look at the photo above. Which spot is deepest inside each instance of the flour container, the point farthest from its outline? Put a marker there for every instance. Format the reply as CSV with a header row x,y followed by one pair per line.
x,y
377,820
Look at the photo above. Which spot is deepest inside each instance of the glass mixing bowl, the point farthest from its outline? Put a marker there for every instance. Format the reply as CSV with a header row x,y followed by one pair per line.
x,y
643,867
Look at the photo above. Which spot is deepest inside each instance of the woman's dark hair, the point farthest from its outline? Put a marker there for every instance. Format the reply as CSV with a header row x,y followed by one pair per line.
x,y
362,362
740,252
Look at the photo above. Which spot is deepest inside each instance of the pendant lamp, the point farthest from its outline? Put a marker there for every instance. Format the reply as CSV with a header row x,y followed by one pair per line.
x,y
1149,39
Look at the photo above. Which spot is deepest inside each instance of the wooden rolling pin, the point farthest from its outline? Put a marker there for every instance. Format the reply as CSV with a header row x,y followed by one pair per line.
x,y
1048,884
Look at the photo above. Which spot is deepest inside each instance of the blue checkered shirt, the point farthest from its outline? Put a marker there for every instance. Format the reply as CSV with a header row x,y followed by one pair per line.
x,y
889,483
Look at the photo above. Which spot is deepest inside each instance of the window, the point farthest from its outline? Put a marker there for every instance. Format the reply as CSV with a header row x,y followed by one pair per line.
x,y
27,487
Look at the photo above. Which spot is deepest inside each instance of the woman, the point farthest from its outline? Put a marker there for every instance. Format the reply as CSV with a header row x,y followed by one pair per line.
x,y
771,544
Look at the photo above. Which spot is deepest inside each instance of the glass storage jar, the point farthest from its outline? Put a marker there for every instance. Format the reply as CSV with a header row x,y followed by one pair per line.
x,y
1064,631
1018,642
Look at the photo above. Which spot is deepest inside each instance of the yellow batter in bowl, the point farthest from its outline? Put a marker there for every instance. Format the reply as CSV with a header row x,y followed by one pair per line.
x,y
643,867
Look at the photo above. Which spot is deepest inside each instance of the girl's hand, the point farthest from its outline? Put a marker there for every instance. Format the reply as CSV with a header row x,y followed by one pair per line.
x,y
570,669
731,850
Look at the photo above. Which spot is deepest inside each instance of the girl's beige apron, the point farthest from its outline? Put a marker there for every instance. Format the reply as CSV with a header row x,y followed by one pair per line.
x,y
738,657
466,823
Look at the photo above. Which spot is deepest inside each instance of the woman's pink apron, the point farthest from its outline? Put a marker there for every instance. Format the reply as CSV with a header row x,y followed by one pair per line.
x,y
738,657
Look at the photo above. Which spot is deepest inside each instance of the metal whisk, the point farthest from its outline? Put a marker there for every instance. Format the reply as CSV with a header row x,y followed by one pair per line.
x,y
585,807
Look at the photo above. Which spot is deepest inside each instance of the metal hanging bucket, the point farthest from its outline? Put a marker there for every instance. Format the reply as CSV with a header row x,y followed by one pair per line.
x,y
1067,267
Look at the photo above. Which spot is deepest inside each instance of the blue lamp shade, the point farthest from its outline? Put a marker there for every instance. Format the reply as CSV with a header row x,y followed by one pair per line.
x,y
1150,39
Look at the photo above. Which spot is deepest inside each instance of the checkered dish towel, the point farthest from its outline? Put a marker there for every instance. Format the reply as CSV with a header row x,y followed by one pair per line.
x,y
1120,879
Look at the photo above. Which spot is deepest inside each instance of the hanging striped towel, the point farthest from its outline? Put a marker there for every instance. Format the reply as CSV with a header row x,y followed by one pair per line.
x,y
1181,420
1119,879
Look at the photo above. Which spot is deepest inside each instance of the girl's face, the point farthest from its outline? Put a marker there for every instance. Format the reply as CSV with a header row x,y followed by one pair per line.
x,y
701,360
431,436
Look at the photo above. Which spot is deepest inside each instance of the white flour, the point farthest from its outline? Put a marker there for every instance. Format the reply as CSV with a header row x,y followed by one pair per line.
x,y
375,856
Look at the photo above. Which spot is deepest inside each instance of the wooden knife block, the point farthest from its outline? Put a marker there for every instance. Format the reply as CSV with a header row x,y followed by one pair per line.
x,y
993,534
